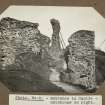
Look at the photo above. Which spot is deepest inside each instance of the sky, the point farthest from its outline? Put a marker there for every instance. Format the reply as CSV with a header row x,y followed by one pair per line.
x,y
71,20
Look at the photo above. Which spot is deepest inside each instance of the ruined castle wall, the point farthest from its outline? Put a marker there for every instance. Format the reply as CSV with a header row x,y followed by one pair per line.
x,y
55,48
21,44
82,59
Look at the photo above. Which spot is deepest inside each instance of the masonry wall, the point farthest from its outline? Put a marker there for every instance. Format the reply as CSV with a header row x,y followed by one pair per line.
x,y
82,59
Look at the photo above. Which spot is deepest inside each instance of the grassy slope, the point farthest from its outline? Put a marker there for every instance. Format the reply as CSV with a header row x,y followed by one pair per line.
x,y
22,80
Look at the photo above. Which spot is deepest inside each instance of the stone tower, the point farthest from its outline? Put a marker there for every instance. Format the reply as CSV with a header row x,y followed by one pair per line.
x,y
55,48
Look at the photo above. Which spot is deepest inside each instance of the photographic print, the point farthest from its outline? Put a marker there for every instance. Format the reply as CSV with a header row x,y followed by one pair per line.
x,y
52,49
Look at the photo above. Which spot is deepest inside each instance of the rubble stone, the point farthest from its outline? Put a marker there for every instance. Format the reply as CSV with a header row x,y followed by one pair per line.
x,y
82,59
19,38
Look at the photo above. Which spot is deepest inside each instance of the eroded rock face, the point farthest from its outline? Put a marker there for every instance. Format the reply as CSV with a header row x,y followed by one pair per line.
x,y
21,43
82,59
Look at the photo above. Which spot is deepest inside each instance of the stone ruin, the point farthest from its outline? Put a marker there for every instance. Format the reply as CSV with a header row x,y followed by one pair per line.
x,y
55,48
81,59
21,45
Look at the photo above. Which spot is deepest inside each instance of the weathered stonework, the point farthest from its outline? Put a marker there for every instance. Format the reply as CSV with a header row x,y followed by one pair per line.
x,y
20,42
82,59
24,49
55,48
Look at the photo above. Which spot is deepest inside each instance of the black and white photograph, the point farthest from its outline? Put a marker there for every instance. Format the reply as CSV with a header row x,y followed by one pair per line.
x,y
52,49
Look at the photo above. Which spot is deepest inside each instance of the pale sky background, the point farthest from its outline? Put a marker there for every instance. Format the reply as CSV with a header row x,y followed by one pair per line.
x,y
71,19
